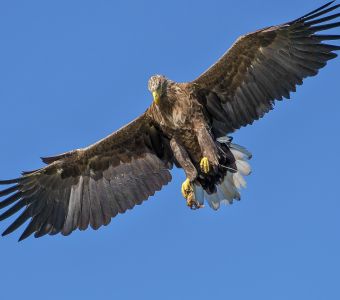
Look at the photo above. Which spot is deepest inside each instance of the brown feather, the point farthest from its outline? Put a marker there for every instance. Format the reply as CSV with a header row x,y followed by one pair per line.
x,y
90,186
267,65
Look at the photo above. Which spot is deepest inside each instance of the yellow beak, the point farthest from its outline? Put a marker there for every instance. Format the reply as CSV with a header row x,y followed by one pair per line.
x,y
155,97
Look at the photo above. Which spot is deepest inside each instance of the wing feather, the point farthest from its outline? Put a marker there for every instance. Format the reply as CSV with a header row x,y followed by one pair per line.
x,y
265,66
92,185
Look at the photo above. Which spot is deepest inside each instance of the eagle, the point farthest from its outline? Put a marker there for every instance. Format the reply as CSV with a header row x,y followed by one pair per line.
x,y
188,125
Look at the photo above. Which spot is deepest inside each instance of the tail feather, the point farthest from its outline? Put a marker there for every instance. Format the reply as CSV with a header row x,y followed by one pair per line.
x,y
199,194
243,167
213,200
228,190
239,180
237,148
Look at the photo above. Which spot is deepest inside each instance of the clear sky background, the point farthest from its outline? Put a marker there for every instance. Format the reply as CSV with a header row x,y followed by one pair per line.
x,y
73,71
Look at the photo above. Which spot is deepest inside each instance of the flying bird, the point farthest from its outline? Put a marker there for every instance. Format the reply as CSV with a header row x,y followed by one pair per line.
x,y
187,126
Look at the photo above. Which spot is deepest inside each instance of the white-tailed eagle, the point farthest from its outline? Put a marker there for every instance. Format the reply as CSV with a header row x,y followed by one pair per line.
x,y
187,125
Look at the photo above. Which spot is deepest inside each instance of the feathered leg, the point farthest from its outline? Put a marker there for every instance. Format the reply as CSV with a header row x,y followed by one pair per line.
x,y
208,149
184,161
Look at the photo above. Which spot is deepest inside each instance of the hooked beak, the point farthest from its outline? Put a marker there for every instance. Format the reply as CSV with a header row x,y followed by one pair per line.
x,y
155,97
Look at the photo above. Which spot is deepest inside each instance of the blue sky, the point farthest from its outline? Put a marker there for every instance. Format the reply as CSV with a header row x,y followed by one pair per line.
x,y
73,71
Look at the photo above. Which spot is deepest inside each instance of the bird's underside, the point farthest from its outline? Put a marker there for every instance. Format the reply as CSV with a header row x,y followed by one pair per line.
x,y
187,125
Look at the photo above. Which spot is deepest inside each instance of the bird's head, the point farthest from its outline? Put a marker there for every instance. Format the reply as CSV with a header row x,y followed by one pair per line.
x,y
157,86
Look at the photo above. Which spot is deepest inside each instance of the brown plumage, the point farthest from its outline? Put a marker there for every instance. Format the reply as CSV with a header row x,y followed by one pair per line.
x,y
186,125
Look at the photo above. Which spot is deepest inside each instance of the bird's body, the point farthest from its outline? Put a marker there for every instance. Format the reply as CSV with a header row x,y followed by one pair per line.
x,y
176,108
187,125
179,115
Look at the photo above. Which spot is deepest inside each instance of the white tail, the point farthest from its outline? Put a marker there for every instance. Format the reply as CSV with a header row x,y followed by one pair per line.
x,y
228,190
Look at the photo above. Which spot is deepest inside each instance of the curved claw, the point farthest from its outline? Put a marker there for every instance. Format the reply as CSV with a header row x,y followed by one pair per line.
x,y
205,165
189,195
187,188
193,204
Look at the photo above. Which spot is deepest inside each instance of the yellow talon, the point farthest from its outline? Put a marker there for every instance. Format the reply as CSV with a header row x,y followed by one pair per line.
x,y
204,164
188,194
186,188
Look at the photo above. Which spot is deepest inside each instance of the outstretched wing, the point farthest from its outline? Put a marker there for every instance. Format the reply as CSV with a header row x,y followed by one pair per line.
x,y
265,66
90,186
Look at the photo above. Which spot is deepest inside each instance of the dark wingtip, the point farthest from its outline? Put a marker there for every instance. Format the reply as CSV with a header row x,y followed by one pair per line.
x,y
325,27
46,160
23,237
26,234
318,9
17,223
9,190
10,200
6,232
317,12
322,20
10,181
327,37
50,159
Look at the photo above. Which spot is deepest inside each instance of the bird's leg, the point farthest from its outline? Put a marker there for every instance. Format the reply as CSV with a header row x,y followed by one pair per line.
x,y
204,164
208,149
188,192
183,159
189,195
